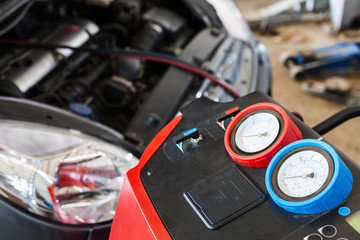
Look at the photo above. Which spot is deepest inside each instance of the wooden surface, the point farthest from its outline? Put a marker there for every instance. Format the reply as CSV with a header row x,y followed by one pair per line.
x,y
288,92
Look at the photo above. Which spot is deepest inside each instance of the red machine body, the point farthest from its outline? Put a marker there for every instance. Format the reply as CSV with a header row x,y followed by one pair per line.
x,y
132,220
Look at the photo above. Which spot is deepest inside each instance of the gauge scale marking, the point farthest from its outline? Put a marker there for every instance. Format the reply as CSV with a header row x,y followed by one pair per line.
x,y
303,173
308,176
256,133
301,178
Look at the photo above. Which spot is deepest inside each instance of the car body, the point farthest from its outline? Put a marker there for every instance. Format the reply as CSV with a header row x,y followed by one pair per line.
x,y
107,100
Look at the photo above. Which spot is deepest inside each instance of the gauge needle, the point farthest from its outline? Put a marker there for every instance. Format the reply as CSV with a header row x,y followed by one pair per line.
x,y
309,175
264,134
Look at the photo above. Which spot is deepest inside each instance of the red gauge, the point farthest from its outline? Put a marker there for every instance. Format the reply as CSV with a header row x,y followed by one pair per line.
x,y
258,132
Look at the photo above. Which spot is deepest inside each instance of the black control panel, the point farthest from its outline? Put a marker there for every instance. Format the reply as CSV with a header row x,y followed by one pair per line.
x,y
340,223
200,192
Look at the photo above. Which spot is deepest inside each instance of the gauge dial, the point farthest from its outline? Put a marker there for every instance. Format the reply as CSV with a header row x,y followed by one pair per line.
x,y
303,173
308,176
257,132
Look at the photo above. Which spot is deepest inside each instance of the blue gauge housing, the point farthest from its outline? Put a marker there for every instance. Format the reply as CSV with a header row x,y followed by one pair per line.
x,y
331,196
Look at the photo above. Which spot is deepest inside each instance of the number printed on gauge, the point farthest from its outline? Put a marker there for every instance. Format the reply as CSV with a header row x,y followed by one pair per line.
x,y
308,176
258,132
303,173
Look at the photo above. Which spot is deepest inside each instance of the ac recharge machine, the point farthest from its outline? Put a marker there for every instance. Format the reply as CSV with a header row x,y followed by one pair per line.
x,y
247,169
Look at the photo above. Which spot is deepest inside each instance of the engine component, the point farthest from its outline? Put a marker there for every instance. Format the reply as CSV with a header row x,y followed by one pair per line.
x,y
170,91
9,7
26,70
159,23
169,22
80,109
101,3
118,91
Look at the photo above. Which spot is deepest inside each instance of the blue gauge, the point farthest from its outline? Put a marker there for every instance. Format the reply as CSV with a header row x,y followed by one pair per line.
x,y
308,176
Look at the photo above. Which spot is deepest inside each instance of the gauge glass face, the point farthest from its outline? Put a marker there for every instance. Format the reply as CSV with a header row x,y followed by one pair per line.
x,y
257,132
303,173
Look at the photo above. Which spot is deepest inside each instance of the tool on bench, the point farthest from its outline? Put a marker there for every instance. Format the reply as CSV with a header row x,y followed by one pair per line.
x,y
288,12
341,58
333,89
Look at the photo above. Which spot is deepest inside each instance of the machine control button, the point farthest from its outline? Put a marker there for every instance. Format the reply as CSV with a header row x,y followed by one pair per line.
x,y
313,236
223,119
188,140
344,211
328,231
229,113
192,133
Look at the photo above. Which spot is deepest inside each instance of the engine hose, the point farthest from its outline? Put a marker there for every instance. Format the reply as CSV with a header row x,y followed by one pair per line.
x,y
152,56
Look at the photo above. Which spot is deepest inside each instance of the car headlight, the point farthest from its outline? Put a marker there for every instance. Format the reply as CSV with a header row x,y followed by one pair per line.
x,y
61,174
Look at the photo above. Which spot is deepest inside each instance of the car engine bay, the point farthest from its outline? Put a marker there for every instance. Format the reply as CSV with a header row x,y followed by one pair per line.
x,y
123,93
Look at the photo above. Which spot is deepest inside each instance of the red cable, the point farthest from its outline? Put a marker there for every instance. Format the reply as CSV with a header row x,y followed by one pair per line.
x,y
179,64
183,66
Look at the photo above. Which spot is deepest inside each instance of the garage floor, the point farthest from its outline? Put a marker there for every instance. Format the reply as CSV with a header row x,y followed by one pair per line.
x,y
287,91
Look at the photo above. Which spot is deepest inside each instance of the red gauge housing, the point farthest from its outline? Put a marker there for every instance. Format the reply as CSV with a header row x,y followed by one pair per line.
x,y
288,133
